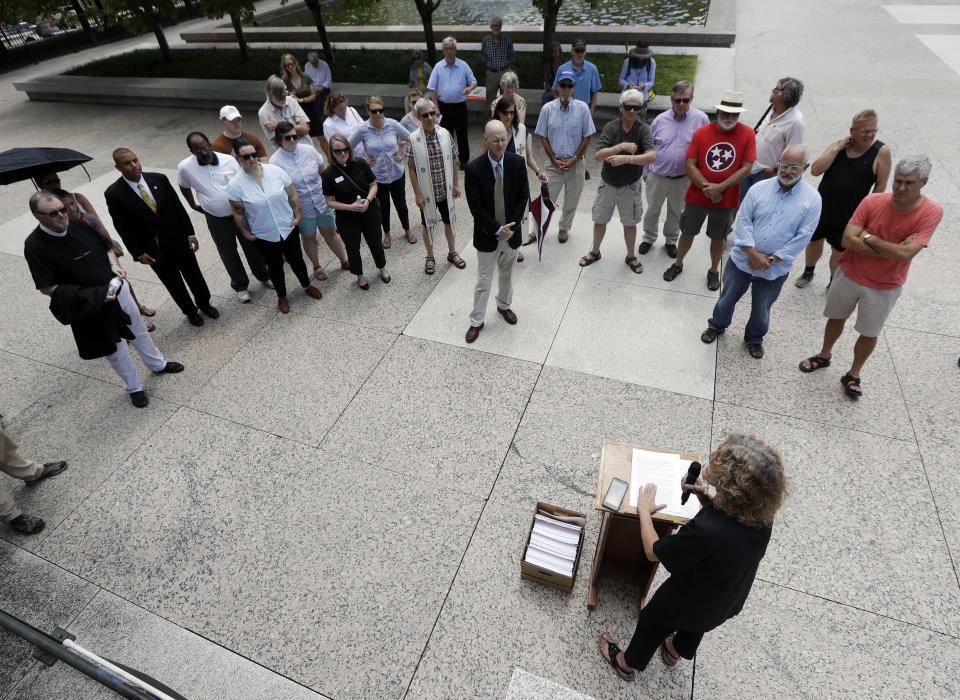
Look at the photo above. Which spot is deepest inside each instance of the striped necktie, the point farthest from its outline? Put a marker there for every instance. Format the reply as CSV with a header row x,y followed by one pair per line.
x,y
147,198
499,210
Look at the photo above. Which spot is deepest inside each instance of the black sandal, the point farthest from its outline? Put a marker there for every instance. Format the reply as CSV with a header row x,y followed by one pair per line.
x,y
815,362
633,264
455,260
591,257
612,652
431,265
851,385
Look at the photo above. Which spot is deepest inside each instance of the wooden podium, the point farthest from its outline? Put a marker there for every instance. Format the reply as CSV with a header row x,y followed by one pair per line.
x,y
619,554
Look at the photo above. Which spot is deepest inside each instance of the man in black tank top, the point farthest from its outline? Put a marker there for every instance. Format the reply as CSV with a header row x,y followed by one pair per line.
x,y
852,168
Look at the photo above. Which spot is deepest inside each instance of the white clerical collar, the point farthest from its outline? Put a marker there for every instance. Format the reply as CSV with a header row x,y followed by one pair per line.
x,y
57,234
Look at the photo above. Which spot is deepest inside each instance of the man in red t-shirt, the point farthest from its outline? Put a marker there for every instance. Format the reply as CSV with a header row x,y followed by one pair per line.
x,y
719,157
886,231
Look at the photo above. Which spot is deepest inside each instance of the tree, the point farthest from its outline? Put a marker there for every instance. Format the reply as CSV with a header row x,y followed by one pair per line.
x,y
88,32
549,9
144,15
426,8
240,11
315,10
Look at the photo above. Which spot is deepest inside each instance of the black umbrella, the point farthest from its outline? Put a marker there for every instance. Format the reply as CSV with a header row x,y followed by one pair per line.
x,y
26,163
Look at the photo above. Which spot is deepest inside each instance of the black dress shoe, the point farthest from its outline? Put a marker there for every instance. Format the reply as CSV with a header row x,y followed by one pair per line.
x,y
139,399
195,319
49,469
27,524
672,250
509,316
644,248
755,350
171,368
210,311
473,332
709,335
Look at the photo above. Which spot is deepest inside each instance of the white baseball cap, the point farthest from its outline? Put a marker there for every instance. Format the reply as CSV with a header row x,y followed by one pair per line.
x,y
229,112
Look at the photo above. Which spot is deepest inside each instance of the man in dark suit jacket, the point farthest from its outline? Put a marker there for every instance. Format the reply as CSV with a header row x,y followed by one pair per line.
x,y
156,229
497,193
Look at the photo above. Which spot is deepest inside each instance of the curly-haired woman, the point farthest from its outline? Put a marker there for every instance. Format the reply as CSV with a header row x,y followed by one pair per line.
x,y
712,560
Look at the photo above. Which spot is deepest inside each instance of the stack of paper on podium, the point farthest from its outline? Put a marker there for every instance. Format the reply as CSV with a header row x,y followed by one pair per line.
x,y
666,470
553,545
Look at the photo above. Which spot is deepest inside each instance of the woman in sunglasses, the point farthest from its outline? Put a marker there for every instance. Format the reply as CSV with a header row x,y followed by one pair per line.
x,y
350,188
266,209
304,165
384,140
505,110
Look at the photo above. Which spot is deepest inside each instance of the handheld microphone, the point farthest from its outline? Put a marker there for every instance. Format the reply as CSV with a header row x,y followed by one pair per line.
x,y
693,473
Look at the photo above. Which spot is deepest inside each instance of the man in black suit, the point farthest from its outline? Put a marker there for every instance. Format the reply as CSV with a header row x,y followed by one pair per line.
x,y
156,229
497,193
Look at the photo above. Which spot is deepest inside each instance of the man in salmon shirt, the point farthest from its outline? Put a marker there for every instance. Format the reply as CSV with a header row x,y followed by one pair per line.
x,y
886,231
720,156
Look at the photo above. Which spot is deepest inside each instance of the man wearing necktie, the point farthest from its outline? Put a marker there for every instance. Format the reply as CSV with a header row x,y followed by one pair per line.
x,y
156,229
497,193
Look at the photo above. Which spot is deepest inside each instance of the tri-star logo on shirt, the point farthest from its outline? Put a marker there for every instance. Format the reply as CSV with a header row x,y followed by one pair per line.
x,y
720,156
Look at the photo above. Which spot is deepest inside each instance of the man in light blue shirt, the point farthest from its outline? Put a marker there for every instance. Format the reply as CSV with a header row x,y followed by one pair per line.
x,y
584,72
451,80
776,220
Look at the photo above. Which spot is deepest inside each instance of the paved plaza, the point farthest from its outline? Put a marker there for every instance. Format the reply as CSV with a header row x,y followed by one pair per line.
x,y
333,502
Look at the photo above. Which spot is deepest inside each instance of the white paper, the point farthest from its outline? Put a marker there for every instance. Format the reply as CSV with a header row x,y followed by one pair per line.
x,y
665,469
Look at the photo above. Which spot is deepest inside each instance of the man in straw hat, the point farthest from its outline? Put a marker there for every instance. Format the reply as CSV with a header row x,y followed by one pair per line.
x,y
720,156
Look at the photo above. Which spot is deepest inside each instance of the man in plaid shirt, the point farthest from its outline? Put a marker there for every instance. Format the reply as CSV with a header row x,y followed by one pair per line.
x,y
496,52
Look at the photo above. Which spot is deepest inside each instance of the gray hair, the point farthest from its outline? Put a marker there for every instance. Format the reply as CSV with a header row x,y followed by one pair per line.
x,y
423,102
631,94
276,87
509,78
919,163
791,90
313,55
682,86
448,40
796,147
41,196
496,19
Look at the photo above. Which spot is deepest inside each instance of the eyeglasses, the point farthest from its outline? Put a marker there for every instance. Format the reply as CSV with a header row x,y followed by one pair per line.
x,y
56,212
680,100
201,149
290,137
341,150
374,110
509,113
790,168
632,108
497,139
567,86
247,156
424,115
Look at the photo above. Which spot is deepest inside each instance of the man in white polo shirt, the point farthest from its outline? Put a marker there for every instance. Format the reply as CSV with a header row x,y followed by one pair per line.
x,y
208,173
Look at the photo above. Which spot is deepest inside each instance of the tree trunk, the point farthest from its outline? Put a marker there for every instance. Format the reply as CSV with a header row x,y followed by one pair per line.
x,y
161,38
88,32
241,39
550,26
314,8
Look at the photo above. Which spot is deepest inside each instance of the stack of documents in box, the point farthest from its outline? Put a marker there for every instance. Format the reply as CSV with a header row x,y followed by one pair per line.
x,y
553,545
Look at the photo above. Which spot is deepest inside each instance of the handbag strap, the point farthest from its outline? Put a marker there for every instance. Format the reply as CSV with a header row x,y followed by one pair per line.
x,y
352,181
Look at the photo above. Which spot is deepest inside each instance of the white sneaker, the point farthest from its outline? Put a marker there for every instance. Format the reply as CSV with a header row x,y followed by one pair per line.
x,y
244,296
268,284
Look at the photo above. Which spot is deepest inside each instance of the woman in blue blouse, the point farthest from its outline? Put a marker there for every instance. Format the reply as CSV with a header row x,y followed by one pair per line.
x,y
382,139
639,70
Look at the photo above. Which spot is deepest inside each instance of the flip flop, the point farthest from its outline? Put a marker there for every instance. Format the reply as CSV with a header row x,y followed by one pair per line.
x,y
386,240
410,238
814,362
612,651
667,656
147,311
150,327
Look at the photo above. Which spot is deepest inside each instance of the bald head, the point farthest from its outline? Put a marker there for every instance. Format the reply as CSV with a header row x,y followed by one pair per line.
x,y
495,138
796,151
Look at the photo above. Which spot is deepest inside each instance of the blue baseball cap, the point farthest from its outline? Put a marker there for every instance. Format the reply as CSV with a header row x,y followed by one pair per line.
x,y
567,75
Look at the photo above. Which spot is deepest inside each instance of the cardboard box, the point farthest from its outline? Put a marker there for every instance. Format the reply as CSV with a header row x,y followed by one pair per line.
x,y
551,578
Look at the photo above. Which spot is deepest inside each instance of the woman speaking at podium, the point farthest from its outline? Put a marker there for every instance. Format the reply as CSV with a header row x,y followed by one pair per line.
x,y
712,560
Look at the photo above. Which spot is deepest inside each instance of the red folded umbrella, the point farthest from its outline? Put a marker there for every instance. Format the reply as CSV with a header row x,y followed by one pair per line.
x,y
541,211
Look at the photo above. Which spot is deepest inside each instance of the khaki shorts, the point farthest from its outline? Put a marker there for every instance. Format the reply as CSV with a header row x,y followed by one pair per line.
x,y
627,199
873,305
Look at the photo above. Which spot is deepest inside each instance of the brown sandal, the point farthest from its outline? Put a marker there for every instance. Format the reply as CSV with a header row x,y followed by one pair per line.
x,y
410,237
319,274
668,657
431,265
813,363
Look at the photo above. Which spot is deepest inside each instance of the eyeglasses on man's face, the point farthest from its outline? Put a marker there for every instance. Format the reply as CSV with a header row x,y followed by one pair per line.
x,y
426,115
247,156
680,100
375,110
290,137
62,211
632,108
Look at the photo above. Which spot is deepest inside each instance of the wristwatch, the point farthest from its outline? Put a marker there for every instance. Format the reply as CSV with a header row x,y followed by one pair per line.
x,y
867,236
772,260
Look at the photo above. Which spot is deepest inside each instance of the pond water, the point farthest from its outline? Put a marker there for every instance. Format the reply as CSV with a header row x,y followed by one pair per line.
x,y
574,12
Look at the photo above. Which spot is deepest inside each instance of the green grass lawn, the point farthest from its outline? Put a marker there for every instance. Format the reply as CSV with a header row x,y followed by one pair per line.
x,y
354,66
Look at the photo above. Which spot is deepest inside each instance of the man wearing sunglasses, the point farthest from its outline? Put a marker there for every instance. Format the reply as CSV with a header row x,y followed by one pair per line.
x,y
73,264
624,147
208,173
666,178
565,127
